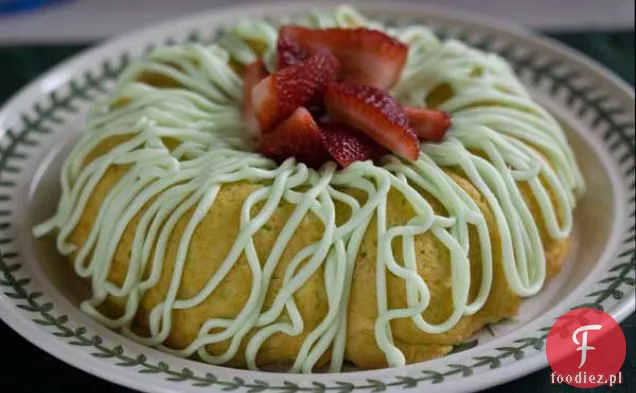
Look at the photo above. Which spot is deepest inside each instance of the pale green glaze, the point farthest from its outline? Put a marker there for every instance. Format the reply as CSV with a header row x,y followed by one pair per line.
x,y
204,117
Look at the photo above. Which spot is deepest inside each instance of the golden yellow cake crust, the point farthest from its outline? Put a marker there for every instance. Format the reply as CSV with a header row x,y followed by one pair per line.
x,y
216,233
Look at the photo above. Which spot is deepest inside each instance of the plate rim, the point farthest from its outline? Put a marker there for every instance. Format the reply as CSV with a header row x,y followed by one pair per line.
x,y
36,88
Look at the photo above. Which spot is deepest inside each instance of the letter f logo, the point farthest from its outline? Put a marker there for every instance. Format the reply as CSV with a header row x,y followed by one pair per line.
x,y
583,344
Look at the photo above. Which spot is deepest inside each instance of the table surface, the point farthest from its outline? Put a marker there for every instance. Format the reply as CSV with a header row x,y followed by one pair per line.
x,y
95,19
20,64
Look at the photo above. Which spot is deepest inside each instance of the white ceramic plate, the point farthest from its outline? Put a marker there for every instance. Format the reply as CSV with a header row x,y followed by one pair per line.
x,y
39,294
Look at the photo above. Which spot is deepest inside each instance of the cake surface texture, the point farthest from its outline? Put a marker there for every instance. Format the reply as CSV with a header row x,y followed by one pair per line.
x,y
194,243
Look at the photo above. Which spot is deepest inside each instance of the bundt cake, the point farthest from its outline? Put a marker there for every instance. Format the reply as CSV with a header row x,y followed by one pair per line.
x,y
326,192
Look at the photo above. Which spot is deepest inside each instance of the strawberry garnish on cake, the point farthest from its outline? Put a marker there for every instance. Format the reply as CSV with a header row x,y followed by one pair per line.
x,y
347,145
298,136
368,57
375,113
277,96
328,99
428,124
288,52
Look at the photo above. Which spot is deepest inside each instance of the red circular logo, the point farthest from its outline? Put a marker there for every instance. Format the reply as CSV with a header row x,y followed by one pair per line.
x,y
586,348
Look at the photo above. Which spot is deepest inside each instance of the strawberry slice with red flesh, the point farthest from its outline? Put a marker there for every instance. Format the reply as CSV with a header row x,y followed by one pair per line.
x,y
375,113
288,52
298,136
428,124
347,145
277,96
368,56
254,73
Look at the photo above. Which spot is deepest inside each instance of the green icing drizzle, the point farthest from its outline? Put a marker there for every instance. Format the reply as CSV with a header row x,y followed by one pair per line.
x,y
204,118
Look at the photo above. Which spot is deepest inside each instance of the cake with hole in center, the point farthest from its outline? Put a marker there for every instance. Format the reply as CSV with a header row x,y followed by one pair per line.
x,y
322,192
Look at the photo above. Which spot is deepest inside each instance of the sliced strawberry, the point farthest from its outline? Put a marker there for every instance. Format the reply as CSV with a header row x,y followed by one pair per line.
x,y
368,56
298,136
253,74
375,113
348,145
278,95
288,52
428,124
